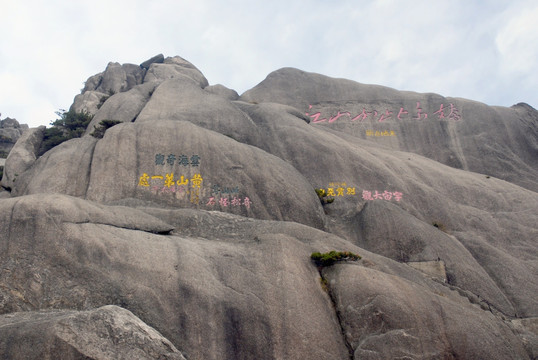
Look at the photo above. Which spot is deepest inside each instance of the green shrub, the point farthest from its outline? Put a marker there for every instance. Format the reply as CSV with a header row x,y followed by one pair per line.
x,y
322,195
71,124
53,136
104,125
329,258
102,101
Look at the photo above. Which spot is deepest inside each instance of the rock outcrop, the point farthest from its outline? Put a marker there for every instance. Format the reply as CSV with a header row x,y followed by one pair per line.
x,y
109,332
22,156
10,132
198,213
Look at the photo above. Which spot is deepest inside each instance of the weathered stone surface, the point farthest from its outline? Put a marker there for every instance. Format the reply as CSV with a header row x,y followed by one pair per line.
x,y
386,317
124,106
162,72
64,169
253,173
116,78
156,59
527,329
435,269
191,103
77,211
224,299
496,141
89,101
88,168
22,156
187,69
223,91
468,204
8,123
388,230
109,332
10,132
233,279
253,279
466,197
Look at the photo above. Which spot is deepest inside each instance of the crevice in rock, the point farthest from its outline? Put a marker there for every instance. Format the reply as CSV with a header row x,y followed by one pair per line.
x,y
157,232
89,171
326,286
475,299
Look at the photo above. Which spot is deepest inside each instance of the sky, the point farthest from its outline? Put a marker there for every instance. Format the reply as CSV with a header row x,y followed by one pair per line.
x,y
484,50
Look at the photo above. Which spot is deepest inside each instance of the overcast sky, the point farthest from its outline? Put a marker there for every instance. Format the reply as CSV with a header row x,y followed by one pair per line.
x,y
483,50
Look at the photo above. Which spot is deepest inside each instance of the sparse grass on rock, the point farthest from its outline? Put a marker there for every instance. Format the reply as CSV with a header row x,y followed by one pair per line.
x,y
331,257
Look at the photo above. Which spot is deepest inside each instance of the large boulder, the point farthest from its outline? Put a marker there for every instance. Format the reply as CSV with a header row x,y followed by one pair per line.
x,y
90,101
22,156
223,91
109,332
464,134
10,132
132,162
116,78
159,59
183,99
175,67
123,107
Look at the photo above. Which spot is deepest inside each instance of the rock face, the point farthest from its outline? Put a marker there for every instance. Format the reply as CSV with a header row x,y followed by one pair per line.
x,y
496,141
10,132
198,214
22,156
109,332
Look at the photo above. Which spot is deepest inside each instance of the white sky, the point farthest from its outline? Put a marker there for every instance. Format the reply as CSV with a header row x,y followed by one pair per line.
x,y
485,50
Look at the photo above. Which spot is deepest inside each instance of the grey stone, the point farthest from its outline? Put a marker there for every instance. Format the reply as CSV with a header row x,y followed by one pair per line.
x,y
116,78
124,106
182,99
9,123
494,141
213,299
87,168
472,263
90,101
435,269
527,329
10,132
152,217
244,286
109,332
388,230
386,317
63,169
22,156
223,91
9,135
156,59
175,68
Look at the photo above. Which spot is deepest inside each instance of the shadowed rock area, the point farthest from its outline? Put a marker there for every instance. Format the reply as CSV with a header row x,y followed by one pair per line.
x,y
195,217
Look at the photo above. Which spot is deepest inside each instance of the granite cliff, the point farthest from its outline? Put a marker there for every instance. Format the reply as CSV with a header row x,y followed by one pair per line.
x,y
10,132
186,230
